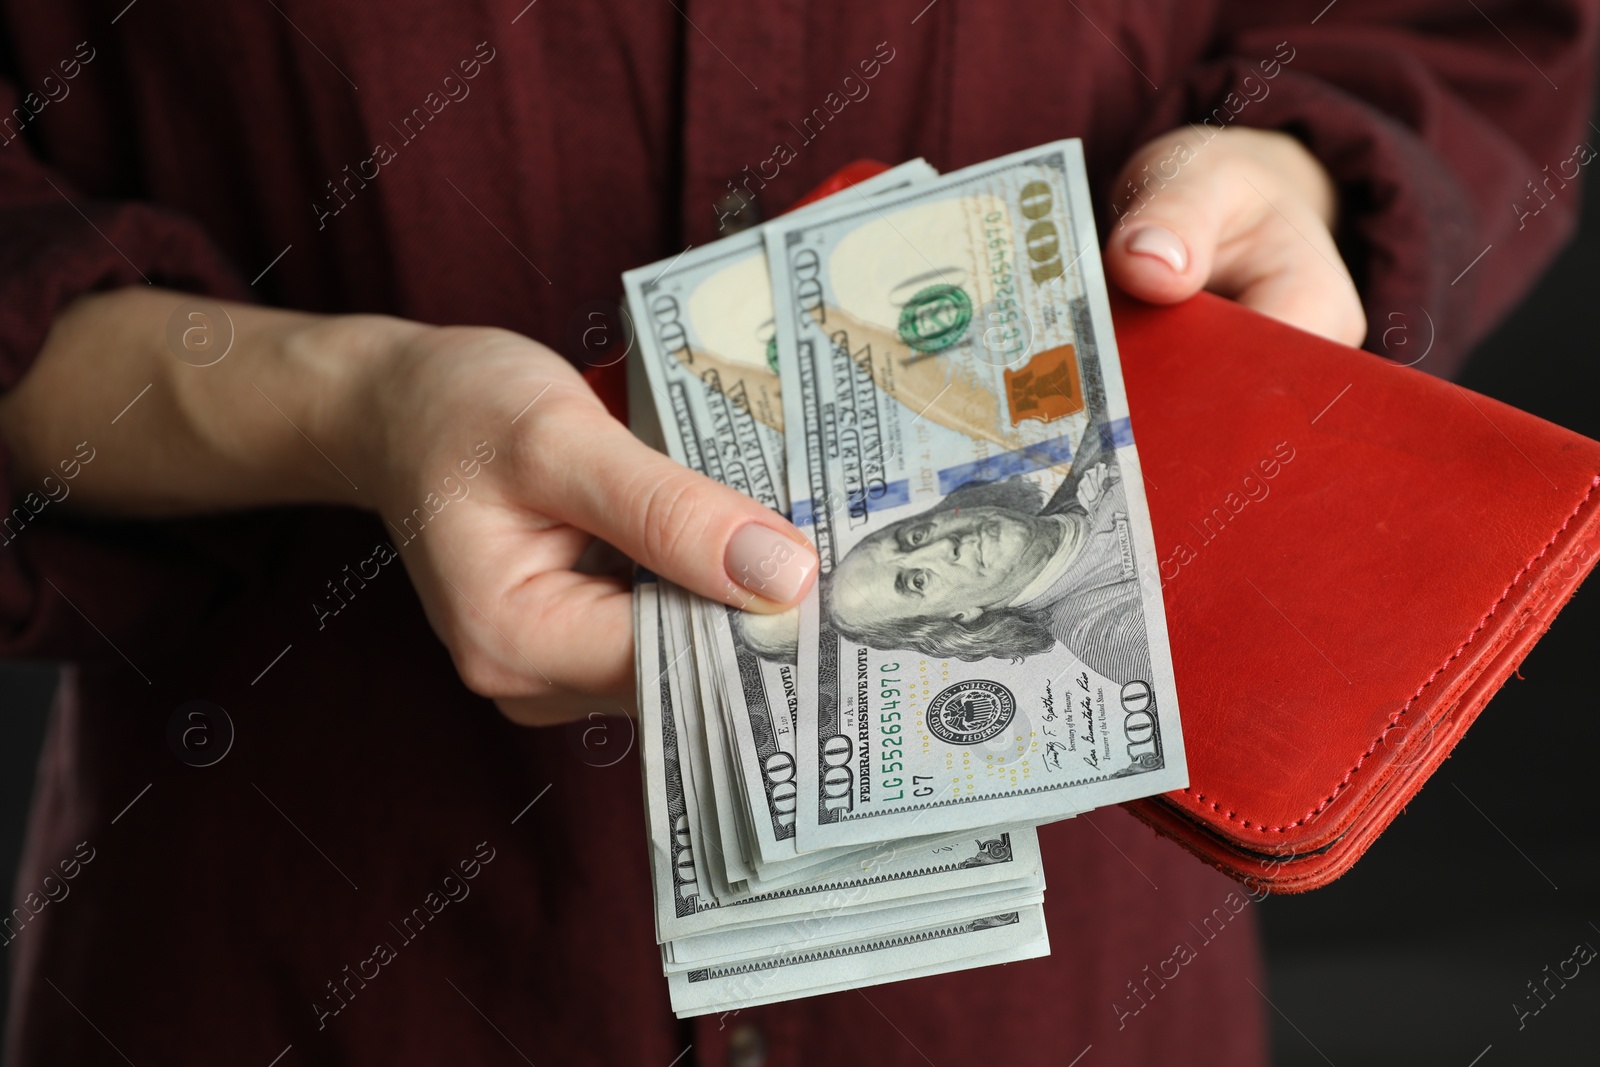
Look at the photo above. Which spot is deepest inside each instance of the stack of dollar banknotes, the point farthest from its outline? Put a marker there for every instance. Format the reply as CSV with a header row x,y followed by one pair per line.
x,y
920,372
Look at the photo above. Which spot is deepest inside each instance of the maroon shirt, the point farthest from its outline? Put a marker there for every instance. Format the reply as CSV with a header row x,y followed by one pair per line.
x,y
501,164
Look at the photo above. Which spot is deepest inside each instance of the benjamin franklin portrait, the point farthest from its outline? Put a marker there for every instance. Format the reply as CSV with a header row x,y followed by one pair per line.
x,y
996,571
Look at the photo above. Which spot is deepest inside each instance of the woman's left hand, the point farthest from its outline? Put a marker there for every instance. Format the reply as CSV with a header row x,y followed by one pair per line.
x,y
1248,214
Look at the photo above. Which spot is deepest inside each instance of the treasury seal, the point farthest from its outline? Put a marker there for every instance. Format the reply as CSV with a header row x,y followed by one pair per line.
x,y
935,318
970,713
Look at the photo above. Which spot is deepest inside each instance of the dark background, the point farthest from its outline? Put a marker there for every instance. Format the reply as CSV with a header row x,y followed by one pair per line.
x,y
1418,955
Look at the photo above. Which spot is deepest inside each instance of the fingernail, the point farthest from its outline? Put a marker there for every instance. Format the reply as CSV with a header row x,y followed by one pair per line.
x,y
769,564
1161,243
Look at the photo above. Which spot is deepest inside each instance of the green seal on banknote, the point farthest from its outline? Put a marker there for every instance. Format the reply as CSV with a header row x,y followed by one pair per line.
x,y
772,353
935,318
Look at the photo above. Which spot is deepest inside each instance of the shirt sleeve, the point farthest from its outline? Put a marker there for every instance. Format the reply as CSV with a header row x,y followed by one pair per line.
x,y
1456,133
72,588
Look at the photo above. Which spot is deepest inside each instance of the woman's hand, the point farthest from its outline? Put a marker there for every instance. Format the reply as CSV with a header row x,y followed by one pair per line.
x,y
496,469
1247,214
493,465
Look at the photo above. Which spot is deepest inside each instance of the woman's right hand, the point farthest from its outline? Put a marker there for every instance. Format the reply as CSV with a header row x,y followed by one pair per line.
x,y
496,468
493,464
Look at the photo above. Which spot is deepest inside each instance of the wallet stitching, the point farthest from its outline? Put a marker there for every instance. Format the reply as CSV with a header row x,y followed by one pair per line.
x,y
1395,721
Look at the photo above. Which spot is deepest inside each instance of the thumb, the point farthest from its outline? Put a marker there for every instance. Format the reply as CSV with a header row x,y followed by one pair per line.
x,y
693,531
1163,246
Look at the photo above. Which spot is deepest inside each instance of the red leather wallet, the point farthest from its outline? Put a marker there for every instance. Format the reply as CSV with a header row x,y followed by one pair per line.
x,y
1354,557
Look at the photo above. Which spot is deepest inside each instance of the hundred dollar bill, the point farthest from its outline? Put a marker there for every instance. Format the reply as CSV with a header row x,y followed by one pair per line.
x,y
801,970
891,871
697,698
682,700
704,327
727,860
842,921
986,643
822,927
703,321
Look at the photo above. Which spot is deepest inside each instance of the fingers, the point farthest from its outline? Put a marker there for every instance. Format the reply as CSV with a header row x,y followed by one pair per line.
x,y
1307,291
519,621
1246,215
586,469
558,654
